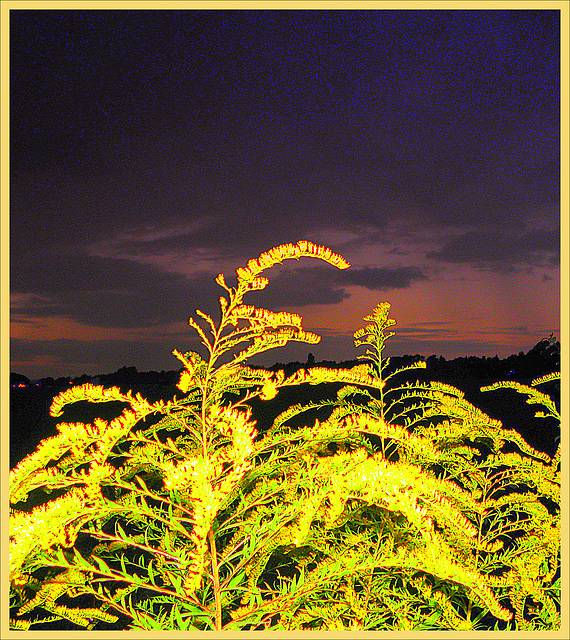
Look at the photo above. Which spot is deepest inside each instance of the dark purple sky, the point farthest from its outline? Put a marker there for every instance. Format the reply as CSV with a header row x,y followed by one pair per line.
x,y
153,149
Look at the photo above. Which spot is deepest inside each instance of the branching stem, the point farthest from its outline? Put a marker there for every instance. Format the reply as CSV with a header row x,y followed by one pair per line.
x,y
216,579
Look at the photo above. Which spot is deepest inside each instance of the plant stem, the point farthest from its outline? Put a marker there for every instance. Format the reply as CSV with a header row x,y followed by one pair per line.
x,y
216,577
369,584
105,536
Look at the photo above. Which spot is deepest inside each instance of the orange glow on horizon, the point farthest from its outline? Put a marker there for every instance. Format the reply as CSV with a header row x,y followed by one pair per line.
x,y
60,328
471,307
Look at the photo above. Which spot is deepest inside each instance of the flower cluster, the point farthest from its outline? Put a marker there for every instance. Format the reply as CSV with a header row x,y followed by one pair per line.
x,y
92,393
238,425
276,255
278,338
177,476
359,375
206,500
54,523
87,392
194,368
264,317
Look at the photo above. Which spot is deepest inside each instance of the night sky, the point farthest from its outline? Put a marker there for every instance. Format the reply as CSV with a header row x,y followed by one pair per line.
x,y
153,149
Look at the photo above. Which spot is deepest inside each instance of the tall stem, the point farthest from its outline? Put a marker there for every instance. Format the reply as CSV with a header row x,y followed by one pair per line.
x,y
481,517
216,577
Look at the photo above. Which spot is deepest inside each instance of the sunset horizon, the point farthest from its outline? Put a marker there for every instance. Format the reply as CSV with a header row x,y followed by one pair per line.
x,y
152,150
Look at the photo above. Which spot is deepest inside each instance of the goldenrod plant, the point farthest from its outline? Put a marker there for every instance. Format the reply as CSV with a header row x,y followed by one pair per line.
x,y
397,508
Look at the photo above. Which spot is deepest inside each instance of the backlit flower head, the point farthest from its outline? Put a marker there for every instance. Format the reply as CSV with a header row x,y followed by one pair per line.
x,y
303,248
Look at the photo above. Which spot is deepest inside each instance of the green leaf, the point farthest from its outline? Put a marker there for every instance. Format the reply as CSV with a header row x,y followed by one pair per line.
x,y
235,581
151,572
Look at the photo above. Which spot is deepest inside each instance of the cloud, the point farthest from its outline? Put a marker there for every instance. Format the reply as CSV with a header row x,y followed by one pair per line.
x,y
301,287
107,292
502,250
325,285
167,194
111,292
64,273
382,278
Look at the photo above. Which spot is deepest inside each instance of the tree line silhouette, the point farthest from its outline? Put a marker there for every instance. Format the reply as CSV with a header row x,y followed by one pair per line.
x,y
30,421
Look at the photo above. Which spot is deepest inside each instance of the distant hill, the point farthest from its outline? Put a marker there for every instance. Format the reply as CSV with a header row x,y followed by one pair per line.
x,y
543,358
17,379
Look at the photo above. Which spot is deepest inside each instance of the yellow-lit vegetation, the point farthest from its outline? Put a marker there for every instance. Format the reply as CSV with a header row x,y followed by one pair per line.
x,y
402,506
